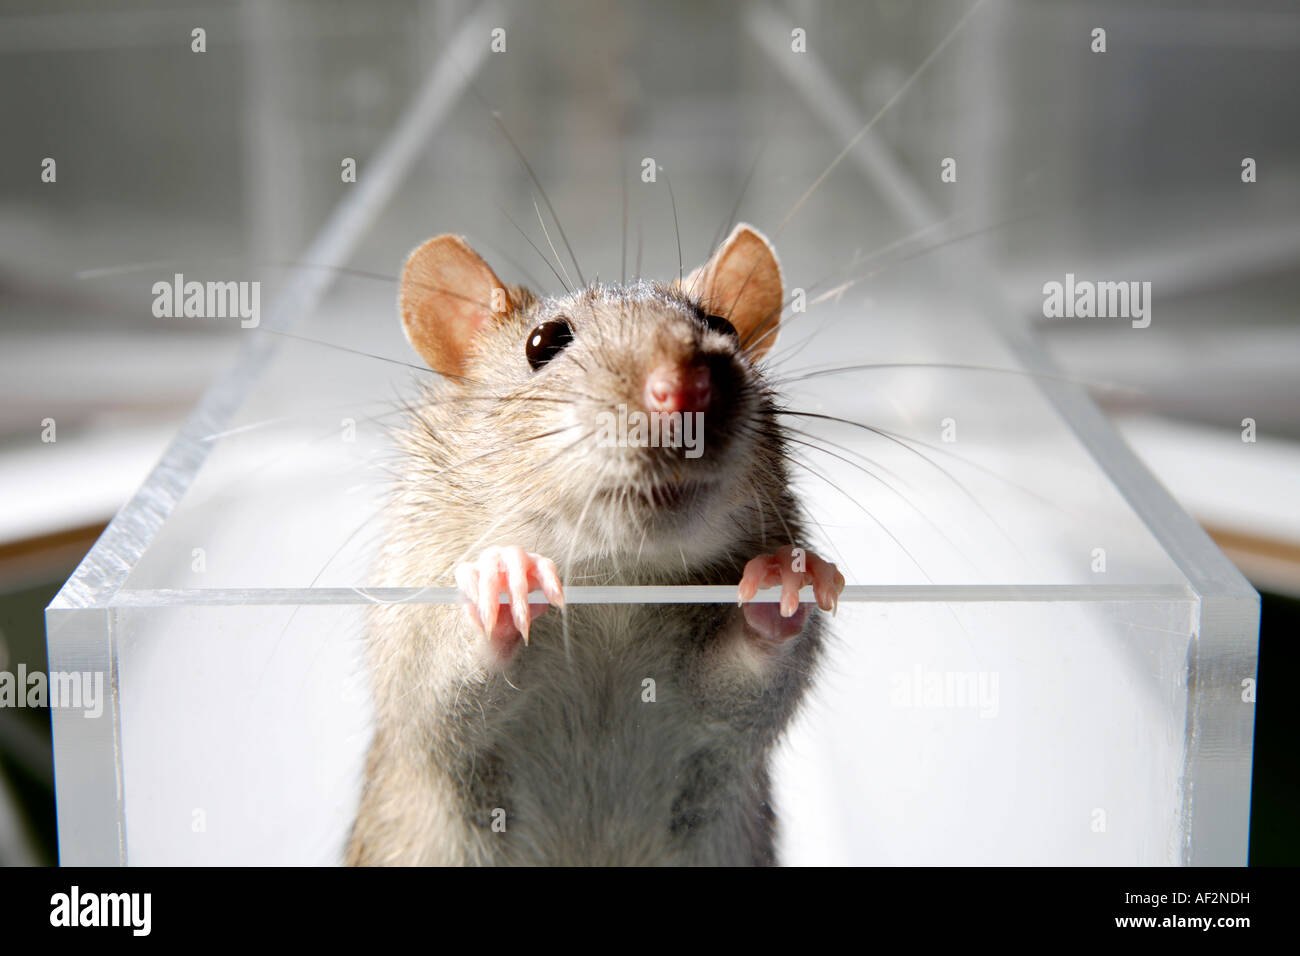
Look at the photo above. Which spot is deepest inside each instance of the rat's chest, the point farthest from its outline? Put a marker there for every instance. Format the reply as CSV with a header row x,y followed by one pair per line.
x,y
608,742
609,673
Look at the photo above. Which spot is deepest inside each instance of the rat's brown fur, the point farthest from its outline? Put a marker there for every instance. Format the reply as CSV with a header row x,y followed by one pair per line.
x,y
559,743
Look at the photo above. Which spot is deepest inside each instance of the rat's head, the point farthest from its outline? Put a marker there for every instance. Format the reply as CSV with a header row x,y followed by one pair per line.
x,y
616,420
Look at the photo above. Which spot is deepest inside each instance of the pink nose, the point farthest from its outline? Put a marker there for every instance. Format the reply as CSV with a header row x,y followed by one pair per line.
x,y
678,388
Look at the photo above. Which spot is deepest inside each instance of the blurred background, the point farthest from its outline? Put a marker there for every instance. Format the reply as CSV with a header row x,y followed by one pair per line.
x,y
1122,164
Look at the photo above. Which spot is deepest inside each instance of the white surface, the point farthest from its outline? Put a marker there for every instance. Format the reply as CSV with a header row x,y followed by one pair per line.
x,y
78,480
1078,762
1251,488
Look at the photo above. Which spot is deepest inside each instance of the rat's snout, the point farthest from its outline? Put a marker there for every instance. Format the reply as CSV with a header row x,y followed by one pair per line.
x,y
678,387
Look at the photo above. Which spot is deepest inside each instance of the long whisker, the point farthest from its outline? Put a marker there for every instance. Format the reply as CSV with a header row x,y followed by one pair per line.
x,y
839,290
496,449
104,272
541,255
639,238
545,198
771,324
510,260
893,537
904,444
845,449
280,419
898,94
735,207
902,497
676,229
622,278
1027,492
547,234
802,376
422,369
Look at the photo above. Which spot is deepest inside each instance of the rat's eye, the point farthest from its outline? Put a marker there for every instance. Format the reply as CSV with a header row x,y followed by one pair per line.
x,y
547,341
718,324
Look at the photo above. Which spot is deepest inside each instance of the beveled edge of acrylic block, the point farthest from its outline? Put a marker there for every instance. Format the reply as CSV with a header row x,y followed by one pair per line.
x,y
1224,652
106,566
675,594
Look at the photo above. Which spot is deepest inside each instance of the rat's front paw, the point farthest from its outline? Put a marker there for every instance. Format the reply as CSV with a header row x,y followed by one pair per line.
x,y
792,568
516,572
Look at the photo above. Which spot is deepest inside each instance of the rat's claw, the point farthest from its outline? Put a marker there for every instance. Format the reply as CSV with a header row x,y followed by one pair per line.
x,y
489,588
763,571
515,561
792,568
516,572
827,583
548,578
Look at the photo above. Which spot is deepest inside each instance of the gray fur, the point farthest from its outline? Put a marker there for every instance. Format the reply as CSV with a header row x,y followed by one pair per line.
x,y
560,738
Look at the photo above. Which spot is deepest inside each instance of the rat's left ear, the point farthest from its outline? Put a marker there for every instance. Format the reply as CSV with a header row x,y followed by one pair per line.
x,y
448,295
742,283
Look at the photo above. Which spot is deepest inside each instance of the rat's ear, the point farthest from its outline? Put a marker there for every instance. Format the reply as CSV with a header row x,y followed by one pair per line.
x,y
448,294
742,283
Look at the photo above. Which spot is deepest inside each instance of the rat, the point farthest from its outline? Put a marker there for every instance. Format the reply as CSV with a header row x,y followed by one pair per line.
x,y
535,732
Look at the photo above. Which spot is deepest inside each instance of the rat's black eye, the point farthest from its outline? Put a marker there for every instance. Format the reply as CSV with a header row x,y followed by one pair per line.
x,y
547,341
718,324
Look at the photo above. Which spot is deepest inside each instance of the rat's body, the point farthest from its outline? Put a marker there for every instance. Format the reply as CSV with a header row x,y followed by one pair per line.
x,y
600,734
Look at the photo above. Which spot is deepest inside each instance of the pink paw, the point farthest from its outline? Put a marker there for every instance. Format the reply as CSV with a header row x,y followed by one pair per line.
x,y
516,572
792,568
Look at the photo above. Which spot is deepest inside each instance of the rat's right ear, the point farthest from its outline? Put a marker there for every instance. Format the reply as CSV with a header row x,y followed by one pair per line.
x,y
448,294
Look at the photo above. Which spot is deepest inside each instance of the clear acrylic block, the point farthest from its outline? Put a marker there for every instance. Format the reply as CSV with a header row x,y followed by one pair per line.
x,y
989,696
